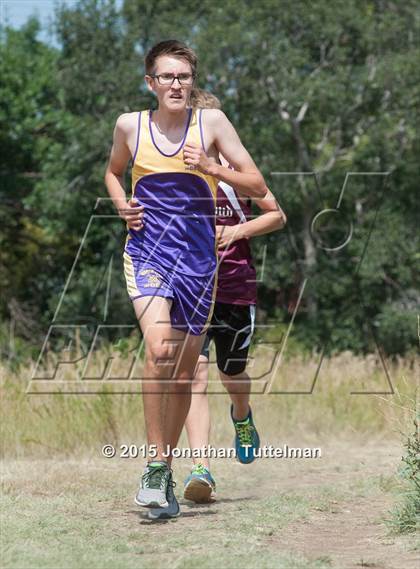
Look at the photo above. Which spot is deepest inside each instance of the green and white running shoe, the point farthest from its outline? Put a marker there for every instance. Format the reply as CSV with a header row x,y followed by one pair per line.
x,y
154,486
172,510
200,486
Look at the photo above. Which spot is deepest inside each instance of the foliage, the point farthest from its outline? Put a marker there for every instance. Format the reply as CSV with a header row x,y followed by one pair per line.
x,y
406,517
309,89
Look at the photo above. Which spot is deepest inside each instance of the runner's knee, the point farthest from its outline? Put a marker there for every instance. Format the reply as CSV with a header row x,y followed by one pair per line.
x,y
200,381
238,378
161,353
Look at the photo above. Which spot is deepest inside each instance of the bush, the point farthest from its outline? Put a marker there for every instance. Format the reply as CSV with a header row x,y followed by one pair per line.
x,y
397,330
406,517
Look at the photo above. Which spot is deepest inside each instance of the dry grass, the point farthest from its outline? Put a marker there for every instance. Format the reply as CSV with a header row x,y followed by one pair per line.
x,y
62,424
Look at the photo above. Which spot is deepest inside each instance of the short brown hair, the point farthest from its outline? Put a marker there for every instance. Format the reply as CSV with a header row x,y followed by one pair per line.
x,y
170,47
202,99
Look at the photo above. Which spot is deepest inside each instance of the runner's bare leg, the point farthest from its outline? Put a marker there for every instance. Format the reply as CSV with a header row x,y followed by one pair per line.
x,y
239,388
197,423
179,396
153,314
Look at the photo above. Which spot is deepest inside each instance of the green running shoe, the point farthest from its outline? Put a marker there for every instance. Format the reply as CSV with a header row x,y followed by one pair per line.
x,y
199,486
154,486
246,440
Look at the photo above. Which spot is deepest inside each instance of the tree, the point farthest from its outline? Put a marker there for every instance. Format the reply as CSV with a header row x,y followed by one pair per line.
x,y
310,89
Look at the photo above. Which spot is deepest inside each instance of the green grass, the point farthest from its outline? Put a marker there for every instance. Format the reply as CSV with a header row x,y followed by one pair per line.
x,y
405,518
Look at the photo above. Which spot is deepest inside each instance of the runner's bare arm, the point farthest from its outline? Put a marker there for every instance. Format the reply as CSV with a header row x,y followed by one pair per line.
x,y
272,219
118,160
220,133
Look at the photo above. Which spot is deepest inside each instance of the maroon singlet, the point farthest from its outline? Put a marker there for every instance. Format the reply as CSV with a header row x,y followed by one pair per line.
x,y
237,277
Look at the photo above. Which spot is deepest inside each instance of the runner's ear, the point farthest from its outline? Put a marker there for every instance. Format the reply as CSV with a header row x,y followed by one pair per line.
x,y
150,83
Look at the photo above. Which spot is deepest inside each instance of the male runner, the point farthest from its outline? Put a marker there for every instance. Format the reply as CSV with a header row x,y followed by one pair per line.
x,y
232,324
170,256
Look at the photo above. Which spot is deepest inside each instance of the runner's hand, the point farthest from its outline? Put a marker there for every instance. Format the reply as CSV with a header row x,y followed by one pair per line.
x,y
226,235
196,159
132,214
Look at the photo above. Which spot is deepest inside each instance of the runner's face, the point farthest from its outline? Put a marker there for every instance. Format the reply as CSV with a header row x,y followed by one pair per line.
x,y
172,97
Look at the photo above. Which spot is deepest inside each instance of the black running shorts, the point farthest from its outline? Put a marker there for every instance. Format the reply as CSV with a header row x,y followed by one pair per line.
x,y
231,328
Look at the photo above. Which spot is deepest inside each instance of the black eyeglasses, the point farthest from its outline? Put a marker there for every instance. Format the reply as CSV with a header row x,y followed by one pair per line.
x,y
168,78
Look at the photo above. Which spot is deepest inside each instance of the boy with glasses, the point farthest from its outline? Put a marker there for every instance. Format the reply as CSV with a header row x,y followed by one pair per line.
x,y
170,258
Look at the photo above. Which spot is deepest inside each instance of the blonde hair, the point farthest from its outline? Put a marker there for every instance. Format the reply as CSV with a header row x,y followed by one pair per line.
x,y
202,99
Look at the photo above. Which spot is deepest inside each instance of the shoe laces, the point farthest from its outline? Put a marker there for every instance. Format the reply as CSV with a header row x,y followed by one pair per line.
x,y
245,432
155,476
199,469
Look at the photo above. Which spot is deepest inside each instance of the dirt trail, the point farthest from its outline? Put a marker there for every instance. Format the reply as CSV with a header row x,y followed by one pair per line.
x,y
327,512
348,529
350,532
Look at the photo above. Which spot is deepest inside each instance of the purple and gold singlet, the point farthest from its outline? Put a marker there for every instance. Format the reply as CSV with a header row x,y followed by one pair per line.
x,y
174,254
